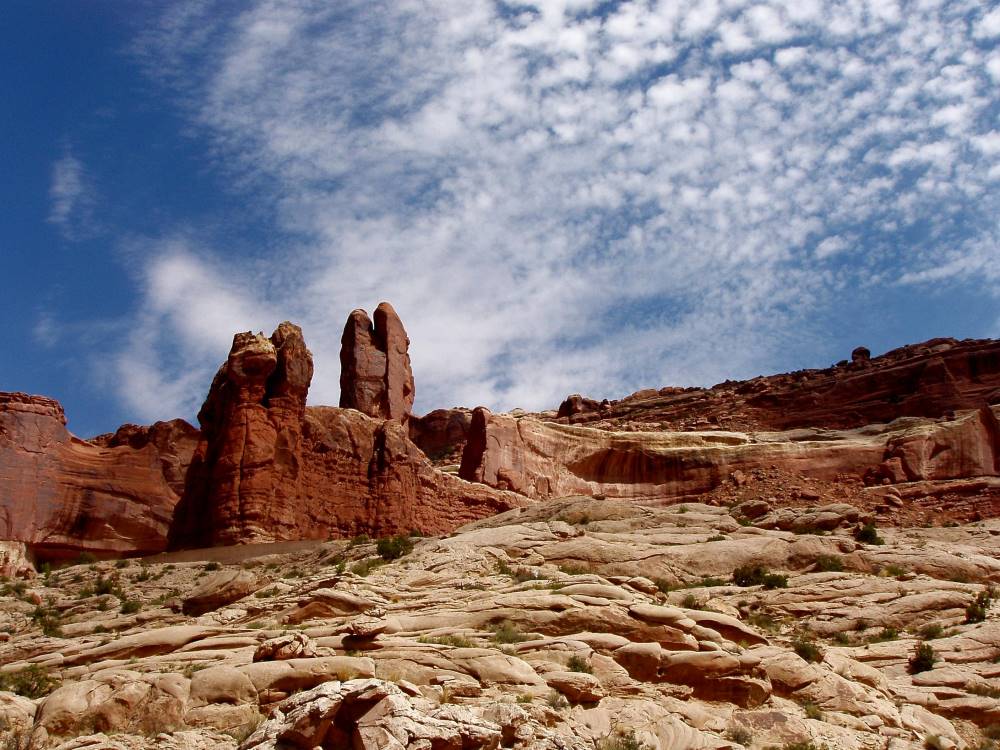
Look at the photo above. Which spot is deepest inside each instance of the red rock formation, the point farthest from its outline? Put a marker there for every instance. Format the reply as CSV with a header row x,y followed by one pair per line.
x,y
548,460
62,495
375,376
921,380
269,468
441,434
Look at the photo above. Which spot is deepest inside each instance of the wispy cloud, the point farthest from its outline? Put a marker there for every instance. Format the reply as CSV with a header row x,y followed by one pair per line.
x,y
72,197
576,195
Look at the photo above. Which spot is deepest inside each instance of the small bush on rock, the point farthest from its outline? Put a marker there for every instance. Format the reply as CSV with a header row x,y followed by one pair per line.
x,y
622,741
31,682
977,610
578,664
868,534
807,650
829,564
758,575
923,658
394,547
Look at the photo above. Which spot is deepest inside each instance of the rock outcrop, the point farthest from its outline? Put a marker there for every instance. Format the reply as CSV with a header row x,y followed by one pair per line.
x,y
921,380
61,496
375,374
548,460
441,434
269,468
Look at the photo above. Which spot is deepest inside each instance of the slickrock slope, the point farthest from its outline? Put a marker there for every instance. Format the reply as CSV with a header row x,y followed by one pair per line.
x,y
61,495
270,468
571,625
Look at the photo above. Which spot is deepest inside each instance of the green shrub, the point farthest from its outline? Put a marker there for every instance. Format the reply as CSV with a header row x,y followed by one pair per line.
x,y
103,586
662,585
886,634
121,564
978,609
212,566
31,682
86,558
621,740
578,664
690,601
507,632
868,534
829,564
131,606
923,658
807,650
395,547
758,575
930,632
456,641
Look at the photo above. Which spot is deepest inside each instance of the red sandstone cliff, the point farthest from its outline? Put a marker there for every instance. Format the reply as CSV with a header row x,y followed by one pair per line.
x,y
375,374
61,495
268,468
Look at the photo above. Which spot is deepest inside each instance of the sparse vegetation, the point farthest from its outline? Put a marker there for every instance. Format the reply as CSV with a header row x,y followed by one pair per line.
x,y
31,682
622,740
812,711
807,650
829,564
923,658
394,547
507,632
868,534
131,606
579,664
930,632
212,566
456,641
364,567
885,634
980,606
758,575
740,735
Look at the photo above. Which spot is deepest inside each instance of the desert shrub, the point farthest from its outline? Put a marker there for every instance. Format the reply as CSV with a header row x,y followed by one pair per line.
x,y
984,690
841,639
578,664
359,539
923,658
977,610
930,632
992,731
763,621
621,740
812,711
507,632
524,698
31,682
690,601
894,571
366,566
212,566
523,574
456,641
807,650
130,606
805,745
662,585
557,700
47,619
886,634
121,564
716,538
103,586
868,534
740,735
394,547
574,569
829,564
86,558
933,742
758,575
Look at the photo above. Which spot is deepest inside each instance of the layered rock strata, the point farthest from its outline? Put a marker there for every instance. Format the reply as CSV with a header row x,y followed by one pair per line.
x,y
548,460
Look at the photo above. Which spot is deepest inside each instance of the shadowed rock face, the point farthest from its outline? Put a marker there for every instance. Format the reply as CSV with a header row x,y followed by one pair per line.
x,y
61,495
375,374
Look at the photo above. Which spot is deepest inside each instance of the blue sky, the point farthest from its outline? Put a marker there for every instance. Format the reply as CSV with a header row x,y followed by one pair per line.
x,y
565,196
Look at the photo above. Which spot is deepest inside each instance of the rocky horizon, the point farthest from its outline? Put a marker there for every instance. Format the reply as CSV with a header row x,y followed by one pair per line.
x,y
802,560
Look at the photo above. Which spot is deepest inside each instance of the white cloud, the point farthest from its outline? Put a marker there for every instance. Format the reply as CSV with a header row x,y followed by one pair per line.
x,y
562,201
72,197
989,25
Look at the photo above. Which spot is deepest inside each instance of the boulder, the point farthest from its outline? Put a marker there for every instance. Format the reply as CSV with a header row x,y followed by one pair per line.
x,y
219,589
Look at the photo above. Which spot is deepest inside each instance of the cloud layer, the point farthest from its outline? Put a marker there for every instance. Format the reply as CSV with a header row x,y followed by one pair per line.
x,y
572,195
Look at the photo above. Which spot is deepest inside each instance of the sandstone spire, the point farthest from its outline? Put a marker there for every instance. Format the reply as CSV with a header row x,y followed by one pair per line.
x,y
375,374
